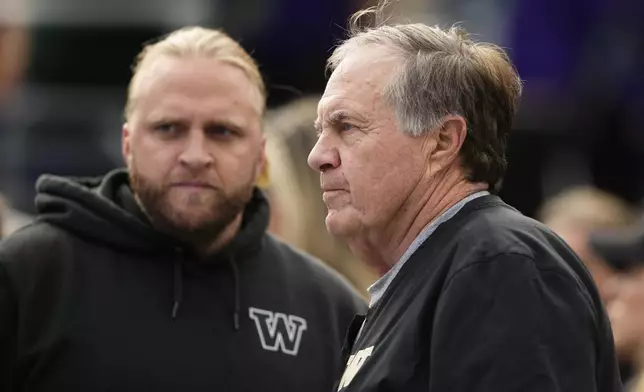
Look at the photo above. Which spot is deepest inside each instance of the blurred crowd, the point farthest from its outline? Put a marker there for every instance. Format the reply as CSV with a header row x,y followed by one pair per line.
x,y
575,162
607,234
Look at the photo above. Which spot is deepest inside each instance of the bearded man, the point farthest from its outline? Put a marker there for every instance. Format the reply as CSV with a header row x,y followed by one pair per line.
x,y
161,276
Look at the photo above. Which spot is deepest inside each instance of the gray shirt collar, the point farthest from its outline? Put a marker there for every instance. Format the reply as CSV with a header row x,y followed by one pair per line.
x,y
380,286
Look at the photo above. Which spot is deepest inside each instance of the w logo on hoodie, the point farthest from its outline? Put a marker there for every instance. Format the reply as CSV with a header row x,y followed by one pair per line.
x,y
278,331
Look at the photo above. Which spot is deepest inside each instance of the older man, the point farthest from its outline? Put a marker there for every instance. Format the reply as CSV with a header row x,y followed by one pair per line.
x,y
474,296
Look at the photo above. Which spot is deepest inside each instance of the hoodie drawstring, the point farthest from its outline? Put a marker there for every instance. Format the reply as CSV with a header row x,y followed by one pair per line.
x,y
233,266
178,286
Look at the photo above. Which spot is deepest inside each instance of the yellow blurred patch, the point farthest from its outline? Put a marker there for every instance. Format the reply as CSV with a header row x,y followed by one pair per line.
x,y
264,178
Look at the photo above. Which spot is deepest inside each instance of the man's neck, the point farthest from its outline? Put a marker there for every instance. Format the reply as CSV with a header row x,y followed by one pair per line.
x,y
383,248
224,237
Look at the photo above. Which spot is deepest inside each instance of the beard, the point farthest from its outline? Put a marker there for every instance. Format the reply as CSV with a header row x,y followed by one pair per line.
x,y
212,213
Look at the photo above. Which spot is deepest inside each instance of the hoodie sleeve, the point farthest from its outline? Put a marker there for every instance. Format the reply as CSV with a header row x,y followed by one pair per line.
x,y
504,326
8,327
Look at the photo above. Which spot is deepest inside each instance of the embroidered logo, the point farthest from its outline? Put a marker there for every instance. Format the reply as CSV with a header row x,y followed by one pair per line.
x,y
278,331
354,364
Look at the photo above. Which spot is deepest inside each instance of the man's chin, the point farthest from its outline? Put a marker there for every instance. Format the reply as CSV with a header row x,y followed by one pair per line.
x,y
191,220
341,224
187,226
191,217
196,231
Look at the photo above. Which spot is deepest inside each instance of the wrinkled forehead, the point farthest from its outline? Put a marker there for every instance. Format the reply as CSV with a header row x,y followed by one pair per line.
x,y
360,79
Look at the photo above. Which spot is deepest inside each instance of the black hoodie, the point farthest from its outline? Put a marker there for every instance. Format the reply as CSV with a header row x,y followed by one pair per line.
x,y
92,298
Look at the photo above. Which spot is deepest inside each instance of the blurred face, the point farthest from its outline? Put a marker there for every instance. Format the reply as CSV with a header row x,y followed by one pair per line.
x,y
626,312
599,269
193,144
368,167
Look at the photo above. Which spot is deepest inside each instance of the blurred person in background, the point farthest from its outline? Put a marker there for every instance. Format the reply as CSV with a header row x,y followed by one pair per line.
x,y
298,211
623,249
413,127
575,213
14,48
162,276
14,40
11,219
2,213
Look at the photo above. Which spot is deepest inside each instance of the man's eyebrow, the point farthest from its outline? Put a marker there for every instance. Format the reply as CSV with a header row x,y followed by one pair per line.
x,y
335,117
338,116
156,118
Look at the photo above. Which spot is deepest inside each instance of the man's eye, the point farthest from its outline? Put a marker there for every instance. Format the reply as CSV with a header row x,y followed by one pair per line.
x,y
165,128
346,127
220,130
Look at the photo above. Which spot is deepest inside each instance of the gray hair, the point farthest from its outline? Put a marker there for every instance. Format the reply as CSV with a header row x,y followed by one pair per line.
x,y
444,72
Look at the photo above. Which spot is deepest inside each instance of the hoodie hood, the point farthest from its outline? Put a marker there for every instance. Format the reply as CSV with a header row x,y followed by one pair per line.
x,y
103,209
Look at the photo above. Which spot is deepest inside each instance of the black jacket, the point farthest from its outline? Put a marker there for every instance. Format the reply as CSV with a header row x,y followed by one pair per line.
x,y
93,299
492,301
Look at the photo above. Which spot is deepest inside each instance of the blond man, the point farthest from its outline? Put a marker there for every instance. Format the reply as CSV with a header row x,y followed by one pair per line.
x,y
161,277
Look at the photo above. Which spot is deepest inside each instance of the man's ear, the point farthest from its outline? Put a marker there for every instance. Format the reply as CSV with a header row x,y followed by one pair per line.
x,y
126,148
449,139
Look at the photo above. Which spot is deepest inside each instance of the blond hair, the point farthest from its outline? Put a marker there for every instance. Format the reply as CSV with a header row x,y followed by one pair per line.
x,y
444,72
587,208
195,41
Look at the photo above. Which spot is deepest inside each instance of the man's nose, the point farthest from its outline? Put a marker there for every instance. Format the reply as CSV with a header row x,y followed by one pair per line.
x,y
196,153
324,155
